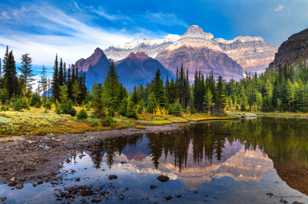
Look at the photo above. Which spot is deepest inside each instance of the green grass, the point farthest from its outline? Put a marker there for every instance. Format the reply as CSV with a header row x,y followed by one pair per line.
x,y
38,122
284,115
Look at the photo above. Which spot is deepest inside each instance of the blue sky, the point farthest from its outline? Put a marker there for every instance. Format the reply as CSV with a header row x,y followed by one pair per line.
x,y
74,28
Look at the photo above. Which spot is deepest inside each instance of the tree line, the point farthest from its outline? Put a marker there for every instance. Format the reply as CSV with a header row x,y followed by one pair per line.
x,y
280,89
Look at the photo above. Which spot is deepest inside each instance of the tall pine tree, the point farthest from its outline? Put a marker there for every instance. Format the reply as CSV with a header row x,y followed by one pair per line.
x,y
26,75
10,76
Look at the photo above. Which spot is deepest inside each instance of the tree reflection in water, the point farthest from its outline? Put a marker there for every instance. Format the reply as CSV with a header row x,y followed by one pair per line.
x,y
284,141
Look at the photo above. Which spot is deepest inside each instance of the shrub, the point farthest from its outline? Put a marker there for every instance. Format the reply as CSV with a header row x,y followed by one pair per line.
x,y
66,108
4,108
82,114
175,109
47,104
36,101
108,121
20,104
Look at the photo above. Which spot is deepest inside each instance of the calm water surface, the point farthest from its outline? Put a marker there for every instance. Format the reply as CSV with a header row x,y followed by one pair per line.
x,y
252,161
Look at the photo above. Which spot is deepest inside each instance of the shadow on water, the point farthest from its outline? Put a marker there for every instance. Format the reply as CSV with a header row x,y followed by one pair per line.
x,y
256,161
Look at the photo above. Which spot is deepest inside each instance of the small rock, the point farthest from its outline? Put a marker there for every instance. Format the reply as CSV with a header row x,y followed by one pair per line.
x,y
178,196
85,191
121,197
112,177
96,200
78,179
283,201
19,186
169,197
13,182
270,194
163,178
13,179
2,199
153,187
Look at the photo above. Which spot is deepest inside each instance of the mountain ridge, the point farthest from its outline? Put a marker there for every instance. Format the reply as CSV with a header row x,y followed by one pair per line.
x,y
294,49
251,52
136,69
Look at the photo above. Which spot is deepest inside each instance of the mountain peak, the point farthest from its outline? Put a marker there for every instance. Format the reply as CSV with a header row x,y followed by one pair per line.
x,y
196,31
85,64
98,51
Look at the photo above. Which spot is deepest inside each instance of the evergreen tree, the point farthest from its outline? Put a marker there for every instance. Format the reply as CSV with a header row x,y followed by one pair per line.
x,y
113,90
183,87
198,92
220,97
208,101
26,75
10,77
55,80
171,92
43,82
97,101
157,88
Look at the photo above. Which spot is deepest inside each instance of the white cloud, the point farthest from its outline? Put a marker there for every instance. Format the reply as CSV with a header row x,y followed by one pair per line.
x,y
68,36
109,16
168,19
279,8
79,39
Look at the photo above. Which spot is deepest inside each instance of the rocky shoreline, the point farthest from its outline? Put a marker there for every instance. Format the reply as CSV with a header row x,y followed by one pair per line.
x,y
37,159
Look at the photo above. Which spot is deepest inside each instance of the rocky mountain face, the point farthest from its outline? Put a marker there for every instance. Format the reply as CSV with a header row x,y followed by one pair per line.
x,y
135,69
96,67
292,50
138,68
253,54
201,59
150,48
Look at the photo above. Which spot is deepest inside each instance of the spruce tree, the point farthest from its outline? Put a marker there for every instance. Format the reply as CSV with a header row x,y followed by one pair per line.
x,y
10,76
198,92
97,101
55,80
26,75
208,101
220,96
43,82
183,87
157,88
61,73
112,90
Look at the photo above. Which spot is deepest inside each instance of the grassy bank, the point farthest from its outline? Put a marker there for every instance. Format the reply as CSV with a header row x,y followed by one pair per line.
x,y
38,122
283,115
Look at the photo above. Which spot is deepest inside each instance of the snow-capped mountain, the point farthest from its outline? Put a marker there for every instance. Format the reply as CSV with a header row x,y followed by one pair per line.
x,y
250,52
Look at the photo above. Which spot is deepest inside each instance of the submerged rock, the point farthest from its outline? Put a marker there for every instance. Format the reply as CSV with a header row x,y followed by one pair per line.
x,y
163,178
2,199
270,194
112,177
153,187
169,197
85,191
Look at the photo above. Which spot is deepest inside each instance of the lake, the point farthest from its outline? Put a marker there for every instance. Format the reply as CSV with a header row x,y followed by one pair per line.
x,y
238,161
